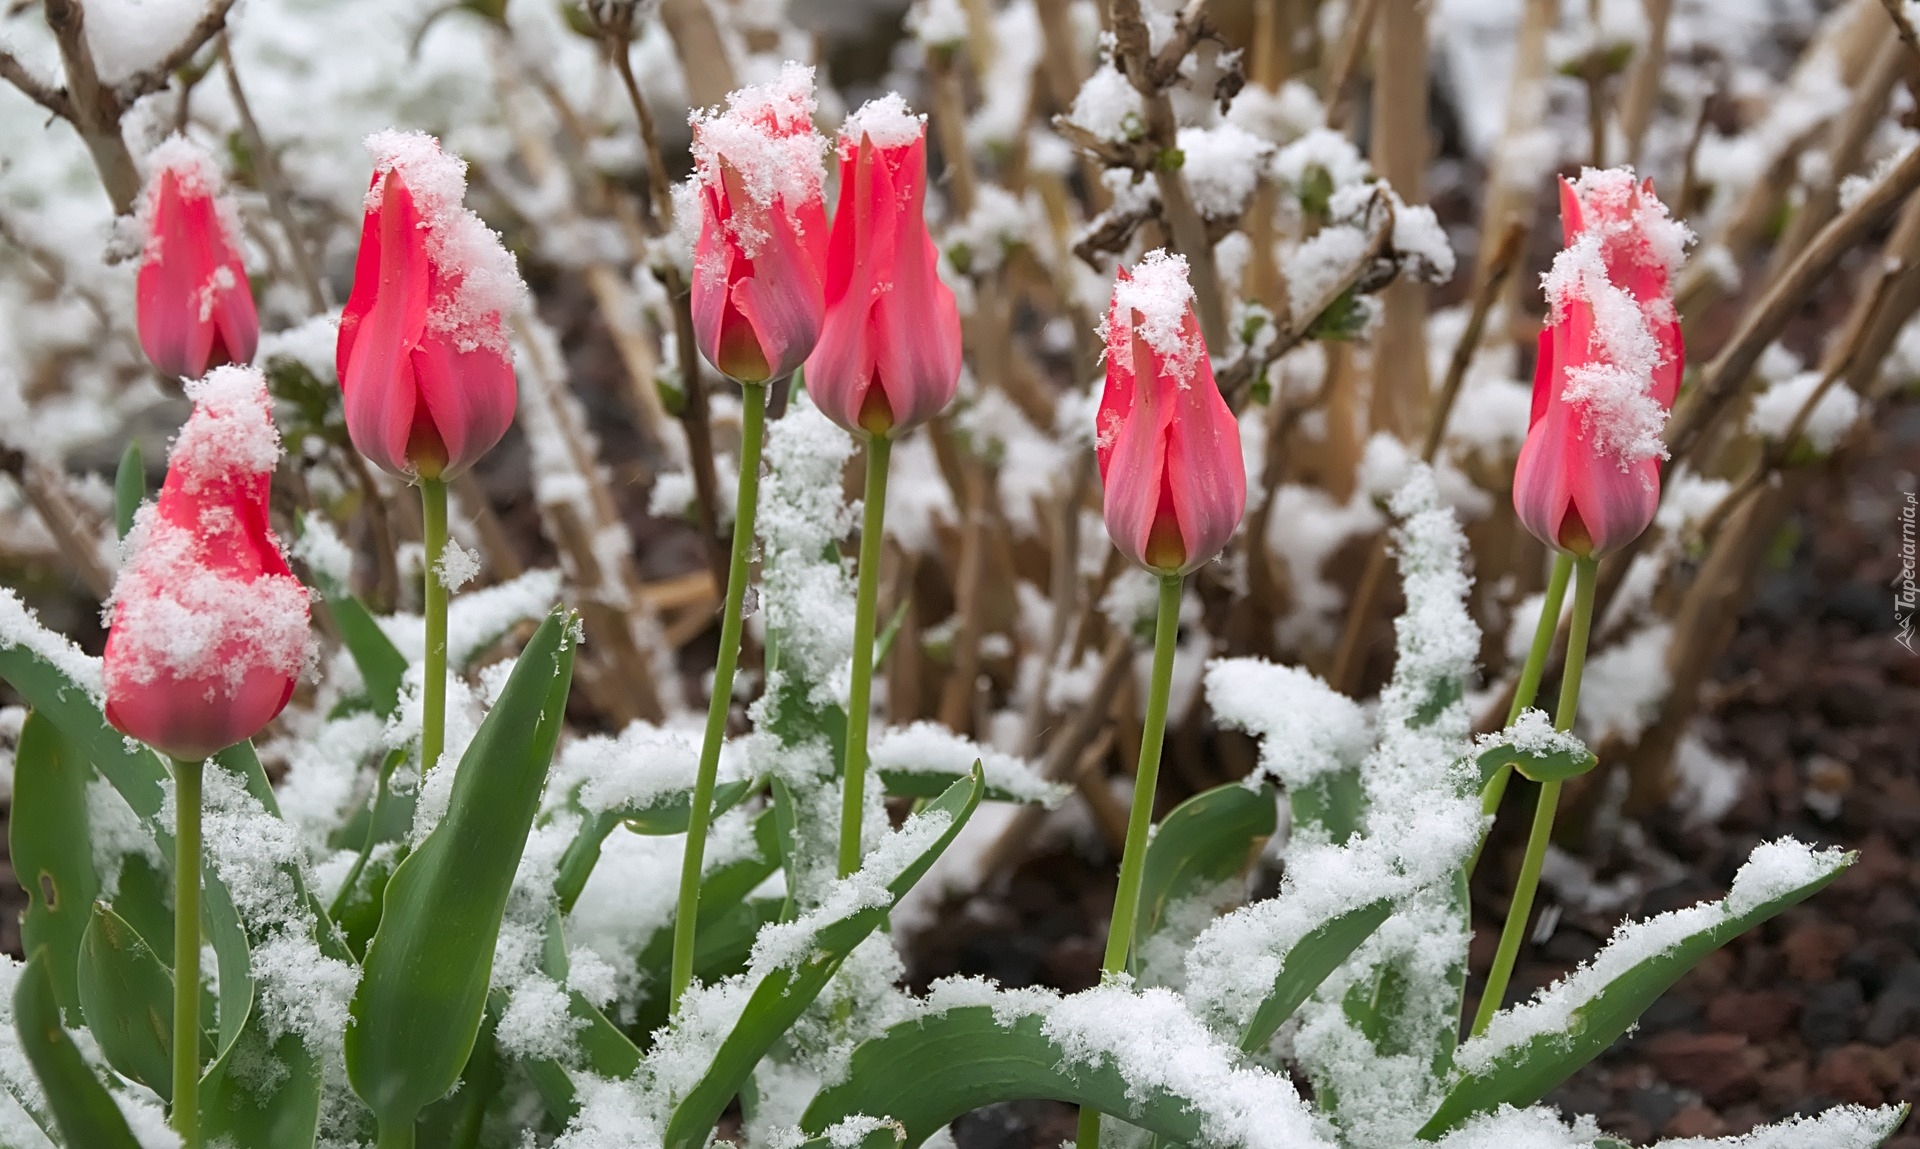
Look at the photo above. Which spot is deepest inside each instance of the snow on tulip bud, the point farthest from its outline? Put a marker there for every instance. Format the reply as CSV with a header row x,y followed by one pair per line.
x,y
194,307
758,170
209,627
1588,478
425,368
1168,447
889,352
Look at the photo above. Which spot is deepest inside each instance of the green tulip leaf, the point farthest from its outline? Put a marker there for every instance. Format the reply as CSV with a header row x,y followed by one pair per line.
x,y
51,848
382,667
285,1116
666,814
787,978
126,995
129,487
1317,954
80,1104
418,1007
1204,841
1529,1049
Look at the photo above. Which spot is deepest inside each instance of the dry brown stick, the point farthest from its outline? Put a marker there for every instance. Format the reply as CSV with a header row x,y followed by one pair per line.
x,y
91,106
502,558
1726,374
1337,91
1846,145
1150,76
1109,816
1643,81
1903,27
45,490
1346,662
1064,572
1398,370
16,73
273,182
956,697
703,54
1116,663
950,123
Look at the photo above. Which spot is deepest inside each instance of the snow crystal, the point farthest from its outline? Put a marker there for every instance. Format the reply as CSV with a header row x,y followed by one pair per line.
x,y
765,141
117,833
1842,1127
1773,870
937,23
537,1022
886,121
457,567
1775,409
476,621
1153,301
146,1118
930,748
1306,728
1108,106
1537,1127
326,555
481,284
1222,166
613,1114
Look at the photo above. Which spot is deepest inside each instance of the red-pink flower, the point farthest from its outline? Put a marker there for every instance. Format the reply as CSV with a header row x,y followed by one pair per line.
x,y
889,353
194,307
1588,478
757,266
1168,447
209,626
425,368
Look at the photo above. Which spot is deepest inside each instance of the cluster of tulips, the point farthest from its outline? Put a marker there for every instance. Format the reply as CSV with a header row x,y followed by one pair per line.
x,y
209,629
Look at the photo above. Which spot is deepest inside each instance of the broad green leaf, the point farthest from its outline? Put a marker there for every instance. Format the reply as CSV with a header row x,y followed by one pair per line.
x,y
783,992
419,1004
220,925
382,666
81,1106
134,770
926,1072
286,1116
51,849
129,487
605,1051
1529,1049
883,1134
144,900
126,994
667,814
1333,800
1555,765
1201,843
1318,953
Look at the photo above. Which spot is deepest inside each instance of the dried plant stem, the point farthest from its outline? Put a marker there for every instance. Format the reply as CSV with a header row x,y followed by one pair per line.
x,y
703,54
1845,146
1126,901
1346,661
853,783
739,569
1643,80
1904,28
502,559
45,489
1337,91
273,182
1399,372
956,699
950,124
1063,565
185,1114
1528,882
433,715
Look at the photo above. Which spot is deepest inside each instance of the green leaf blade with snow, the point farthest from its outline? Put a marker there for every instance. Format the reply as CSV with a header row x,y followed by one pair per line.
x,y
126,995
81,1106
420,1001
783,991
1204,841
1308,963
51,850
1530,1048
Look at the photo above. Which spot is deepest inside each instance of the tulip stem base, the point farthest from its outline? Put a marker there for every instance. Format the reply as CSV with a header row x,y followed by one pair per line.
x,y
186,952
753,421
1126,899
859,696
1528,881
1529,684
433,698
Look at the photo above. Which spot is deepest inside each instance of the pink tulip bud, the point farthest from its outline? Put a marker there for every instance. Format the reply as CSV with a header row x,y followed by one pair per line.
x,y
209,626
889,353
425,367
1168,447
757,266
194,305
1588,478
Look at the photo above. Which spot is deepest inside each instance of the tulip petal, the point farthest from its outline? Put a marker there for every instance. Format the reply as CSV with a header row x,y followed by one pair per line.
x,y
469,397
1137,464
841,365
916,323
377,377
1204,466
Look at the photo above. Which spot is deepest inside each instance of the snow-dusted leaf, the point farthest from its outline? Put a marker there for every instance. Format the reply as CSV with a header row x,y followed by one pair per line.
x,y
126,995
1308,963
129,487
287,1115
1842,1127
1201,843
81,1106
1527,1050
1533,747
51,849
382,666
793,961
664,813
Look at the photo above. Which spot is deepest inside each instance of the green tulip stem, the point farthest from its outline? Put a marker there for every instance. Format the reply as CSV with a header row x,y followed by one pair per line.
x,y
395,1136
1126,899
433,698
1529,880
1529,683
859,695
753,420
186,952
